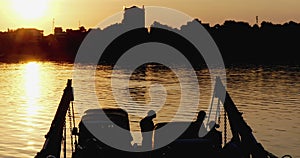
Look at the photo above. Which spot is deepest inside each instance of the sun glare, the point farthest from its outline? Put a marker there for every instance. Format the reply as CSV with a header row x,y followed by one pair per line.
x,y
32,86
32,79
30,9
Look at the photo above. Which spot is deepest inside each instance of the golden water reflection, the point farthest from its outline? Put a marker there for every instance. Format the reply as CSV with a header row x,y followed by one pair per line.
x,y
29,93
32,93
32,86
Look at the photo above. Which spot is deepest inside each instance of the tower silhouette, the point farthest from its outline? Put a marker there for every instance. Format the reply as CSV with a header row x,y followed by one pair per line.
x,y
256,20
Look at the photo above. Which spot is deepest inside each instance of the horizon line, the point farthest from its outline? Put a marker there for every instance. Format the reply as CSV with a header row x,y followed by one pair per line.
x,y
258,24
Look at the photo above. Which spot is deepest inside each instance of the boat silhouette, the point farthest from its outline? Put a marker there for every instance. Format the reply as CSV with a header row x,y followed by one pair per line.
x,y
243,143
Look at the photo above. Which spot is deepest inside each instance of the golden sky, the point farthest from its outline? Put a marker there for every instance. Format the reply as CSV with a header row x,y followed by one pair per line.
x,y
67,13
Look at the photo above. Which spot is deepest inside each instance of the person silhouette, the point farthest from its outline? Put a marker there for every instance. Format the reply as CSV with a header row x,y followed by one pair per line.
x,y
200,130
147,127
201,116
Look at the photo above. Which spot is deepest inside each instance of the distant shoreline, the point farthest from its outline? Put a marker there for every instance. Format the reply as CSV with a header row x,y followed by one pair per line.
x,y
238,42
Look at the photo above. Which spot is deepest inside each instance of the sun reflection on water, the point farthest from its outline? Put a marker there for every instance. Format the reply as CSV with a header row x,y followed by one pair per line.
x,y
32,87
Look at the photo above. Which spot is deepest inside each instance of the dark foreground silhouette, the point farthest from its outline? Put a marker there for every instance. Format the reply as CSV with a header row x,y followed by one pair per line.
x,y
99,126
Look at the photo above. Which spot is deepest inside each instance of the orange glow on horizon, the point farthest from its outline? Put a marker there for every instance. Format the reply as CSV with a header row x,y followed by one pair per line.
x,y
67,13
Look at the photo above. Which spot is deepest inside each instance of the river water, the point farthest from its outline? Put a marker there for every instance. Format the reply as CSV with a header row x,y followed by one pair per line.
x,y
268,96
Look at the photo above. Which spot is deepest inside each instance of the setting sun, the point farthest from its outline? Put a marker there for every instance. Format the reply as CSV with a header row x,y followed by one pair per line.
x,y
30,9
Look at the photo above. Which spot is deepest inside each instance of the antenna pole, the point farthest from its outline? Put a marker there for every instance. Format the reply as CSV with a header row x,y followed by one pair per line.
x,y
257,20
53,24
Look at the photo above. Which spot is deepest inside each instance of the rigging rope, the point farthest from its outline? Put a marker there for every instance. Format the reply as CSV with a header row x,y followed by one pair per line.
x,y
65,140
225,127
74,132
70,123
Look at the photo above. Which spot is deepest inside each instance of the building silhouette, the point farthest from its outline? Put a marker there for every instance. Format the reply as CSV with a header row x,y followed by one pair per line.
x,y
134,17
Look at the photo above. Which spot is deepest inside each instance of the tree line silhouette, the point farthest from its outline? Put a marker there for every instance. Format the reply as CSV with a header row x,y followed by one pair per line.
x,y
270,43
238,42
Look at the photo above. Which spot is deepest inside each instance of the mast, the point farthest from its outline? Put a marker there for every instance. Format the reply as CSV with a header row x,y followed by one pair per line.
x,y
52,145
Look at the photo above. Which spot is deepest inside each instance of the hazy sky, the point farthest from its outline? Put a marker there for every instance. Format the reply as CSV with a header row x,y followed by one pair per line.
x,y
67,13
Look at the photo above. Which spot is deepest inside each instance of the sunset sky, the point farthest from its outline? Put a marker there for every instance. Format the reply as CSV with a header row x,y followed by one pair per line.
x,y
67,13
